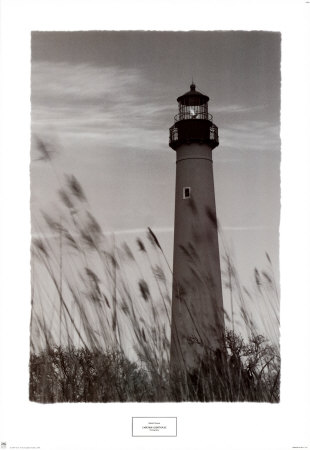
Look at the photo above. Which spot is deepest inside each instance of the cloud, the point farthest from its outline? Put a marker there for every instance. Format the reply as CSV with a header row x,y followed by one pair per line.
x,y
233,108
110,104
119,107
80,82
247,228
143,230
251,135
112,124
246,127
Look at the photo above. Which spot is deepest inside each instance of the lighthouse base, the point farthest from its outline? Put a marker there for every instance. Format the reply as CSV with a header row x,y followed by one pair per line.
x,y
206,382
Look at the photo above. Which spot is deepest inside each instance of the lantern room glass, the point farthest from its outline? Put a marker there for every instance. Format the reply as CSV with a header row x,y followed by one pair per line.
x,y
193,111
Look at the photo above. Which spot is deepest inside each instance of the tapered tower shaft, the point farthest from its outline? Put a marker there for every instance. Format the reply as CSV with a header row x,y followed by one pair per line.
x,y
197,303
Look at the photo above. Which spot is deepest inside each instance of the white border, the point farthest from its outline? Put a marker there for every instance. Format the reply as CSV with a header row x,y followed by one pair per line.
x,y
201,426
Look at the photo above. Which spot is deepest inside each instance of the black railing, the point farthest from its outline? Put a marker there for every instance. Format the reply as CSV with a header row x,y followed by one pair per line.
x,y
210,134
193,115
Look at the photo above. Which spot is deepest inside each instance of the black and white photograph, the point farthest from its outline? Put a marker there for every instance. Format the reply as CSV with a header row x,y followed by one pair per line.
x,y
154,225
154,275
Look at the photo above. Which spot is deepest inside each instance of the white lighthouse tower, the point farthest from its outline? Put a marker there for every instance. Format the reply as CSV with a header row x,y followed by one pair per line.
x,y
197,302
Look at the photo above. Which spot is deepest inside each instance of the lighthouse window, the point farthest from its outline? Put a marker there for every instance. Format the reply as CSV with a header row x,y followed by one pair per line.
x,y
186,192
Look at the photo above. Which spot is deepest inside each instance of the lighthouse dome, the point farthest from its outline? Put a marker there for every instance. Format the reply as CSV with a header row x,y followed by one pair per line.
x,y
193,97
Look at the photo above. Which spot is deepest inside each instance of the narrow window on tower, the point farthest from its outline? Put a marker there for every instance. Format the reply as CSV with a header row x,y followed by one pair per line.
x,y
186,192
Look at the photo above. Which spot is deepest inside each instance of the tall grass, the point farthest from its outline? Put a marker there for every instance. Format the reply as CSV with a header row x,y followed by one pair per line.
x,y
101,318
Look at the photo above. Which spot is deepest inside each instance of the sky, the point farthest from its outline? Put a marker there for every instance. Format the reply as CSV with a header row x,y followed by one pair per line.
x,y
104,101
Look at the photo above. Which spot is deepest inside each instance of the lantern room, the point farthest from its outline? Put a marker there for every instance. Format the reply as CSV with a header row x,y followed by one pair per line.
x,y
193,123
193,104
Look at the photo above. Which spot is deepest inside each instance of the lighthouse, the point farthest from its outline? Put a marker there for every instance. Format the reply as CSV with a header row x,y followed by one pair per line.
x,y
197,322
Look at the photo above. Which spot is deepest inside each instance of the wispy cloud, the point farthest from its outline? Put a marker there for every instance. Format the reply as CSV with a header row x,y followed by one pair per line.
x,y
143,230
234,108
248,127
246,228
118,107
251,135
98,102
113,126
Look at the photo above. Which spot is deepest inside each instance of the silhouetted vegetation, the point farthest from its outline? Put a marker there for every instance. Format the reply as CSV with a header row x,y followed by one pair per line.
x,y
247,372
